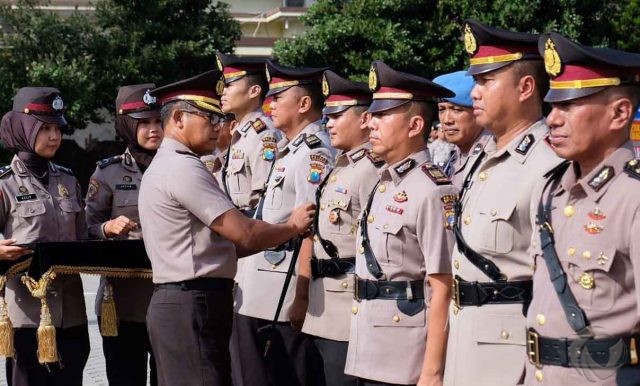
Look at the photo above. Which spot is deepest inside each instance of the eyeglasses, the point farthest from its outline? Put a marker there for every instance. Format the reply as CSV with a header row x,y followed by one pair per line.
x,y
213,118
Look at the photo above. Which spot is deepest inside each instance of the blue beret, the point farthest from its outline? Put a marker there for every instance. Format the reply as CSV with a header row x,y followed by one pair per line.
x,y
461,84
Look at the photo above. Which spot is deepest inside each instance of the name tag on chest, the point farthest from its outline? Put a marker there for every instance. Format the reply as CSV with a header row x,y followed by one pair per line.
x,y
26,197
126,187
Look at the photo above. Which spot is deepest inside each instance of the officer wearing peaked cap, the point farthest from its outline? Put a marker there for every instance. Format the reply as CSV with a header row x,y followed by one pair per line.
x,y
304,159
324,289
40,202
402,286
589,331
193,235
112,213
459,124
252,150
492,269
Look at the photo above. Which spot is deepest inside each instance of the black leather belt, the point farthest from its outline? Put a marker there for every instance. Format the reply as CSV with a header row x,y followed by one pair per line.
x,y
392,290
466,293
583,353
332,267
199,284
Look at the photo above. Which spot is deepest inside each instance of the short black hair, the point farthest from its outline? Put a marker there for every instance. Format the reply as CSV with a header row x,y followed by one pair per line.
x,y
534,68
167,110
258,80
313,91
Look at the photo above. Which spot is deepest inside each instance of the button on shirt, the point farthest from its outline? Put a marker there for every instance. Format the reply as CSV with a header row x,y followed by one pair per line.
x,y
179,199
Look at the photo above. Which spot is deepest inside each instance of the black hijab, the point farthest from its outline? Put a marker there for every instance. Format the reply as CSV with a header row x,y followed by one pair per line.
x,y
18,131
127,129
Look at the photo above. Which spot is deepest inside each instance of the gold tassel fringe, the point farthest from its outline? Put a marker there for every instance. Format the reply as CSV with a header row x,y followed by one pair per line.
x,y
109,318
6,328
47,347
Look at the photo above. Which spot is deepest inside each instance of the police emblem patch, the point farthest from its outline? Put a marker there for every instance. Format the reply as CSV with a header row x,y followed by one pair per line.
x,y
470,44
148,99
552,63
57,103
373,79
94,186
219,63
315,172
220,86
62,191
325,86
268,150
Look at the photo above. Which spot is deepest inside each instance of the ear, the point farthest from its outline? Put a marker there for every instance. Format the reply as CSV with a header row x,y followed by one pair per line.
x,y
254,91
304,104
526,87
364,119
622,112
416,126
178,117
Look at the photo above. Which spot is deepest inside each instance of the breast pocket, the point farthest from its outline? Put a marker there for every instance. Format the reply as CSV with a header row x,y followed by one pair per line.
x,y
393,240
591,281
275,192
237,176
30,209
69,206
125,203
340,216
498,234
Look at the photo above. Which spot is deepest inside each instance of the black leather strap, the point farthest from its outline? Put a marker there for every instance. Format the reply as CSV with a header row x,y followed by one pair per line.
x,y
390,290
574,314
327,245
372,264
224,172
506,292
332,267
262,198
199,284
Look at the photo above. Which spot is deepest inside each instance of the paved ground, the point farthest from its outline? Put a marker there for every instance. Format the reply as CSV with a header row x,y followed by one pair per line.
x,y
94,372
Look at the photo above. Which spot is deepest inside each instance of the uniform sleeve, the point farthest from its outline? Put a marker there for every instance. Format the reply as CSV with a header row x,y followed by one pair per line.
x,y
260,167
436,242
81,221
310,173
4,207
634,254
99,202
196,190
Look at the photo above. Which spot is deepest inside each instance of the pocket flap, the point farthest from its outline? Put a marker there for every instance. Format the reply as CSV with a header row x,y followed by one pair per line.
x,y
503,211
592,257
385,313
339,202
278,179
392,226
235,165
500,329
69,205
338,285
30,209
125,199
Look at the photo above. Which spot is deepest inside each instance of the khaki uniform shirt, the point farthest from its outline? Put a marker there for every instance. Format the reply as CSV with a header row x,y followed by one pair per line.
x,y
596,220
113,192
496,223
214,163
251,153
344,196
409,240
31,213
462,162
296,174
178,201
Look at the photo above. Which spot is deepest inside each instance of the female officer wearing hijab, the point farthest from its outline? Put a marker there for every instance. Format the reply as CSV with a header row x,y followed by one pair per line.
x,y
40,202
112,212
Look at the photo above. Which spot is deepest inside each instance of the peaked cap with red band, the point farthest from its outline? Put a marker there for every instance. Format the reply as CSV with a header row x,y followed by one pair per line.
x,y
392,88
577,71
45,103
341,93
493,48
282,78
136,101
235,67
201,91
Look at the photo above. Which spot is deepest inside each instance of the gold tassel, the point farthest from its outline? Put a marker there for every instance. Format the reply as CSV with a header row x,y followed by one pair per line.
x,y
47,347
109,318
6,328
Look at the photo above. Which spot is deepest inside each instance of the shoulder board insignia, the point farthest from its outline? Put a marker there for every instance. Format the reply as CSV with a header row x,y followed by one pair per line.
x,y
258,125
246,127
357,156
524,145
127,159
5,170
63,169
184,152
632,168
404,167
312,141
436,174
375,159
476,149
109,161
599,180
298,141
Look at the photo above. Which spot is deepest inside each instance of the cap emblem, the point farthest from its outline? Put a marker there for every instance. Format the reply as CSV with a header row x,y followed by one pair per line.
x,y
148,99
220,66
325,86
373,79
220,86
552,61
470,44
268,74
57,103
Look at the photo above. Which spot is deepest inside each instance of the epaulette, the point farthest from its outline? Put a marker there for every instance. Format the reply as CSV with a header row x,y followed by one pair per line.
x,y
375,159
632,168
184,152
604,175
312,141
258,125
5,170
436,174
109,161
63,169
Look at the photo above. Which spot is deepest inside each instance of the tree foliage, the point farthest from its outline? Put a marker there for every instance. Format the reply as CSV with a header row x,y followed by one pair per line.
x,y
424,37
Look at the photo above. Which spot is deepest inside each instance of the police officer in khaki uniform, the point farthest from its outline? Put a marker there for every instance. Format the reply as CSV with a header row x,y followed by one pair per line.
x,y
112,213
589,332
328,257
41,201
193,236
304,159
252,150
491,266
215,161
404,244
458,123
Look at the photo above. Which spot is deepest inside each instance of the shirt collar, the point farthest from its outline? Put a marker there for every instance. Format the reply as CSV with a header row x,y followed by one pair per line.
x,y
398,171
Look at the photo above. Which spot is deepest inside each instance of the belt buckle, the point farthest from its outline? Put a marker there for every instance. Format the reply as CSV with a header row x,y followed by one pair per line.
x,y
455,294
533,347
355,288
